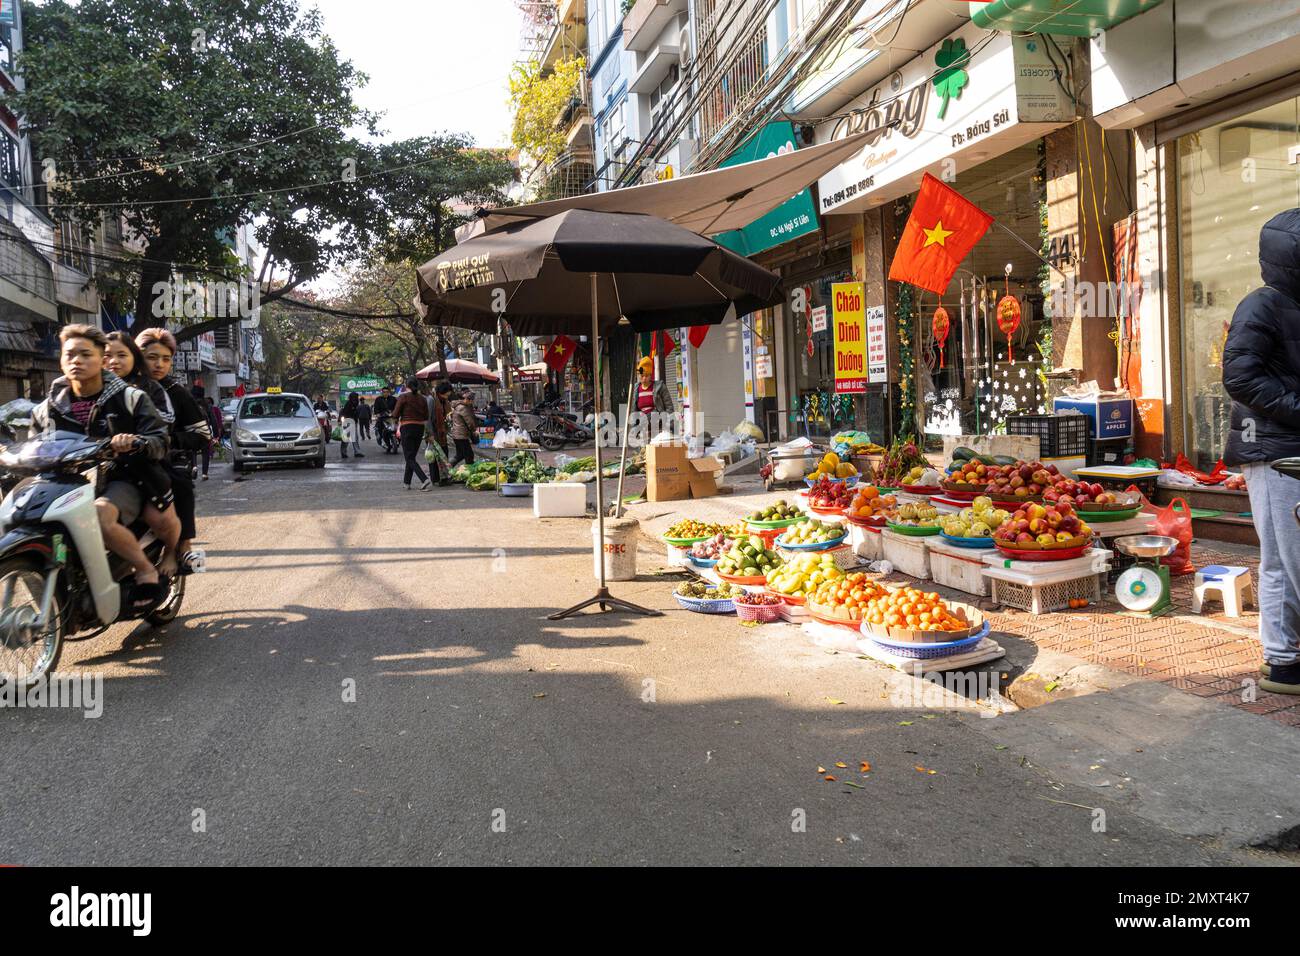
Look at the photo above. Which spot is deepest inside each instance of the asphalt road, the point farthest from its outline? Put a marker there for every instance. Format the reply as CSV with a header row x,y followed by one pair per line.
x,y
482,733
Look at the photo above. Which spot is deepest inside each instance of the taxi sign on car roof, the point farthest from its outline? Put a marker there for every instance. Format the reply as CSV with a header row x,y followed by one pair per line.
x,y
274,390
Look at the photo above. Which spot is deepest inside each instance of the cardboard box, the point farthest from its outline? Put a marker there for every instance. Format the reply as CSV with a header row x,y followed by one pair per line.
x,y
671,476
1108,417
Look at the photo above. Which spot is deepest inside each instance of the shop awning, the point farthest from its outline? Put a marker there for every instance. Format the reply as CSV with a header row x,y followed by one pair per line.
x,y
1082,18
708,203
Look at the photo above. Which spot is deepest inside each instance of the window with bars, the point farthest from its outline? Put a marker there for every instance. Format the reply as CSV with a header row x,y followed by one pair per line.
x,y
7,47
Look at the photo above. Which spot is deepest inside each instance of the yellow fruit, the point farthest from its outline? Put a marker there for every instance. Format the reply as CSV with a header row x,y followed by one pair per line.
x,y
831,460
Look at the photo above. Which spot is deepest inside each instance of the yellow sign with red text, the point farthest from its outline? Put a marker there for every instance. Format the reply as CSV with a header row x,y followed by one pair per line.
x,y
849,320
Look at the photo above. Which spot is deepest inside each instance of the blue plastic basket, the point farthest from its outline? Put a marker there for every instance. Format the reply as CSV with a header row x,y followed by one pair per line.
x,y
703,606
814,546
704,562
967,542
850,481
926,651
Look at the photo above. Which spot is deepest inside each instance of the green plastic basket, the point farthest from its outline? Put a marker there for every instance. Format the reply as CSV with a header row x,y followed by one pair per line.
x,y
783,523
915,531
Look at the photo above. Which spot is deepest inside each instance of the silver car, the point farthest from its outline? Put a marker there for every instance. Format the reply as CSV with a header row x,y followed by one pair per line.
x,y
276,428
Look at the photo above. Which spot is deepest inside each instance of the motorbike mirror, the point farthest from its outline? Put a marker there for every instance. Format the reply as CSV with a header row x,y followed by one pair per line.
x,y
1289,467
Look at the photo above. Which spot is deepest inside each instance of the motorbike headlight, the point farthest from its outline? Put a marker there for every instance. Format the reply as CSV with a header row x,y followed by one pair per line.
x,y
244,435
311,433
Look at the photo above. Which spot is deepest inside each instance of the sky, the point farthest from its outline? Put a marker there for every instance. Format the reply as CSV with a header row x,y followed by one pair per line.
x,y
434,65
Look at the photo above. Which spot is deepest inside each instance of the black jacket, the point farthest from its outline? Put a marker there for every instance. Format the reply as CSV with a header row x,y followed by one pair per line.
x,y
1261,359
121,409
189,427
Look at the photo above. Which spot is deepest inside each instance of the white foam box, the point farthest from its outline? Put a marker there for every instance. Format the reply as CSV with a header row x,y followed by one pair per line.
x,y
560,499
956,567
866,542
907,553
1066,465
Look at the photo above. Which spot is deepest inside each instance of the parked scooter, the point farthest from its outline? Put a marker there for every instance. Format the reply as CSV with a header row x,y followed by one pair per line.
x,y
56,576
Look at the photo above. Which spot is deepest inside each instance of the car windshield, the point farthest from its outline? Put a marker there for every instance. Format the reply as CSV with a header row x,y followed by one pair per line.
x,y
276,406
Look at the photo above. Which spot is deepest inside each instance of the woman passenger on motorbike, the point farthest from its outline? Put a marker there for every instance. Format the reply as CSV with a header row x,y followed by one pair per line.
x,y
124,359
189,432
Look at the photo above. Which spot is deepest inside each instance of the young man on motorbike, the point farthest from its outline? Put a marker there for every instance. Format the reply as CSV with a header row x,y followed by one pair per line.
x,y
93,401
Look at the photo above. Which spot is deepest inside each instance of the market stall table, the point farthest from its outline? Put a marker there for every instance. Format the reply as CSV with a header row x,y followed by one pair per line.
x,y
1040,587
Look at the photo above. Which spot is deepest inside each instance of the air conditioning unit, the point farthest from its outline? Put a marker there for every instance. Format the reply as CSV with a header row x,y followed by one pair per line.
x,y
684,48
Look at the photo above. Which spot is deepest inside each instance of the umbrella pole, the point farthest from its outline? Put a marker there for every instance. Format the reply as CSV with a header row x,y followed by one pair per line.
x,y
627,421
602,597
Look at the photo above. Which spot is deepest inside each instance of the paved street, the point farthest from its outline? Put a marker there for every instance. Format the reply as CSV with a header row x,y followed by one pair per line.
x,y
482,733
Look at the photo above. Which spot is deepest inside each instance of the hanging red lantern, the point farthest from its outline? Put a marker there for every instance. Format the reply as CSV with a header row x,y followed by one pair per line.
x,y
1009,320
939,325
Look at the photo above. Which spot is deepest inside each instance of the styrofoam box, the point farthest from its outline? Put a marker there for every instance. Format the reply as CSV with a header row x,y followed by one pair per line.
x,y
907,553
954,567
866,542
1067,465
560,499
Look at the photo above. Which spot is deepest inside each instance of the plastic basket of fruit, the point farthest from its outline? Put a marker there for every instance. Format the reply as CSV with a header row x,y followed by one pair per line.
x,y
1040,553
979,542
849,482
922,489
928,651
685,533
1013,499
751,579
963,491
778,515
704,605
789,598
875,521
703,562
685,542
810,546
758,607
826,614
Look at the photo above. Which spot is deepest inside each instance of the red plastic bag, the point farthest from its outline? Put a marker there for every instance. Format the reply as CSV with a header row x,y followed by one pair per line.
x,y
1219,474
1178,526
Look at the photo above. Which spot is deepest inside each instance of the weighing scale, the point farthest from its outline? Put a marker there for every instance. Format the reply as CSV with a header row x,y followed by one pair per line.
x,y
1144,588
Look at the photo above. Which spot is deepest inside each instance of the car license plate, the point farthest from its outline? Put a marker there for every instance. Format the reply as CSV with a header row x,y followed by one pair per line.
x,y
280,445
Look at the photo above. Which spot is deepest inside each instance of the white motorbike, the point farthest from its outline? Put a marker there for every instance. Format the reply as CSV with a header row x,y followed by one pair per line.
x,y
57,579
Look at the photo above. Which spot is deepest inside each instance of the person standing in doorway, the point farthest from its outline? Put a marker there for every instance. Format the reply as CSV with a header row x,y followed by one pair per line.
x,y
464,428
653,397
1261,371
412,415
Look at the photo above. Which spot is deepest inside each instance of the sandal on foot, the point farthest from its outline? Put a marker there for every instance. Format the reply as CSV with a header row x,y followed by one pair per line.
x,y
186,563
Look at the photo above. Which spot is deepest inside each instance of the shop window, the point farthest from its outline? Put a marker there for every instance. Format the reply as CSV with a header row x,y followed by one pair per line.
x,y
1233,178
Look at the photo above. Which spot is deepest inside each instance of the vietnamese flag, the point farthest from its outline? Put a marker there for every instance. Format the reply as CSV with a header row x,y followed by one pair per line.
x,y
696,334
942,229
558,352
669,344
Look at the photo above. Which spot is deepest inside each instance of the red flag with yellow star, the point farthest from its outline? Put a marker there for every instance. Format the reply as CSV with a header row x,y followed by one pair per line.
x,y
558,352
942,229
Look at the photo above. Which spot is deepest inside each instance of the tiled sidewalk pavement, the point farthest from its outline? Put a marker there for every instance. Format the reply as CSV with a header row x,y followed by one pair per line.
x,y
1210,655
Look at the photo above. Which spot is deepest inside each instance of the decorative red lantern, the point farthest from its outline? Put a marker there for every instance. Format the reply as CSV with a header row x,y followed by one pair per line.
x,y
940,325
1009,320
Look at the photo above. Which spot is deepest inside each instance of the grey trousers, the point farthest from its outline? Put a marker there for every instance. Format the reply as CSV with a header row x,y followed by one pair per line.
x,y
1273,497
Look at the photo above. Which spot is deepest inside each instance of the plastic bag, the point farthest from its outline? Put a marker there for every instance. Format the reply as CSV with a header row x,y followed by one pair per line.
x,y
748,429
510,437
562,459
1169,522
723,443
336,434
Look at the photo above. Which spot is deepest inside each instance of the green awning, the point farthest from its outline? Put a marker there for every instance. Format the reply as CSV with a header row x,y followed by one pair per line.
x,y
1080,18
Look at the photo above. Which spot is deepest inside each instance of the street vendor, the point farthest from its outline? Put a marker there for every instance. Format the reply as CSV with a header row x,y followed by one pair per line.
x,y
652,396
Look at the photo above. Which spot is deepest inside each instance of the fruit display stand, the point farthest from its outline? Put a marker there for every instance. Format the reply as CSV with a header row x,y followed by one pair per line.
x,y
956,567
1040,587
907,553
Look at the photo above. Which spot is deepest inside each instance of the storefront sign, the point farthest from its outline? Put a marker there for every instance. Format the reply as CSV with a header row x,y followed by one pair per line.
x,y
877,345
849,316
795,217
747,350
763,367
818,317
7,15
973,95
208,346
361,383
527,376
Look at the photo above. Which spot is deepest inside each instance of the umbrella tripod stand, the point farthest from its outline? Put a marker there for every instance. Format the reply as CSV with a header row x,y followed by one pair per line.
x,y
602,597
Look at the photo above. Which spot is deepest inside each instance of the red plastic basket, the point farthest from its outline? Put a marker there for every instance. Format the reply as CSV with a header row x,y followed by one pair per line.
x,y
1049,554
752,579
922,489
767,613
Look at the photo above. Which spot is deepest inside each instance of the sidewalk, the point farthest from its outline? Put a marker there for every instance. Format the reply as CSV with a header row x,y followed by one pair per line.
x,y
1210,656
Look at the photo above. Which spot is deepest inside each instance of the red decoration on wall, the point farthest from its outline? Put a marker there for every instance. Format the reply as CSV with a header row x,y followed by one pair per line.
x,y
1009,320
939,325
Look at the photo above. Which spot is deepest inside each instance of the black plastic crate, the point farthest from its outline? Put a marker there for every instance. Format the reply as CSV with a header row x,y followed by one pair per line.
x,y
1111,451
1059,436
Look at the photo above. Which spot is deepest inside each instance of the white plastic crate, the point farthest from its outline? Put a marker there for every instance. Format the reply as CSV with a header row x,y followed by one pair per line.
x,y
907,553
1044,598
956,567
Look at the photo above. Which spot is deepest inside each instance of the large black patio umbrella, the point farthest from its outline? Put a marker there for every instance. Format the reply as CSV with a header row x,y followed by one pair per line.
x,y
580,273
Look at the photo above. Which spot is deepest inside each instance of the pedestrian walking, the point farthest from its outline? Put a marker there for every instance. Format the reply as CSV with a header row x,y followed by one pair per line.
x,y
439,412
464,428
363,419
348,422
322,409
1261,371
216,424
412,415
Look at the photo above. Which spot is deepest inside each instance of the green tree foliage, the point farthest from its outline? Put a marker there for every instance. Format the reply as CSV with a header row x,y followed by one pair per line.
x,y
538,101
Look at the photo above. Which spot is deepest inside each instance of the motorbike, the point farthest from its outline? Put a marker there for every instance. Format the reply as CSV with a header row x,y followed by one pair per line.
x,y
57,578
556,429
385,435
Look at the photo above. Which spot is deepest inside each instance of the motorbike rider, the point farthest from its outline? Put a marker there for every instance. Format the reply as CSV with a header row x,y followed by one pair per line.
x,y
383,412
190,433
90,400
322,410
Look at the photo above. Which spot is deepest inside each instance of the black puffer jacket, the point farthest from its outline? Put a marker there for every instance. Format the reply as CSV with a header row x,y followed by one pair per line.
x,y
1261,360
